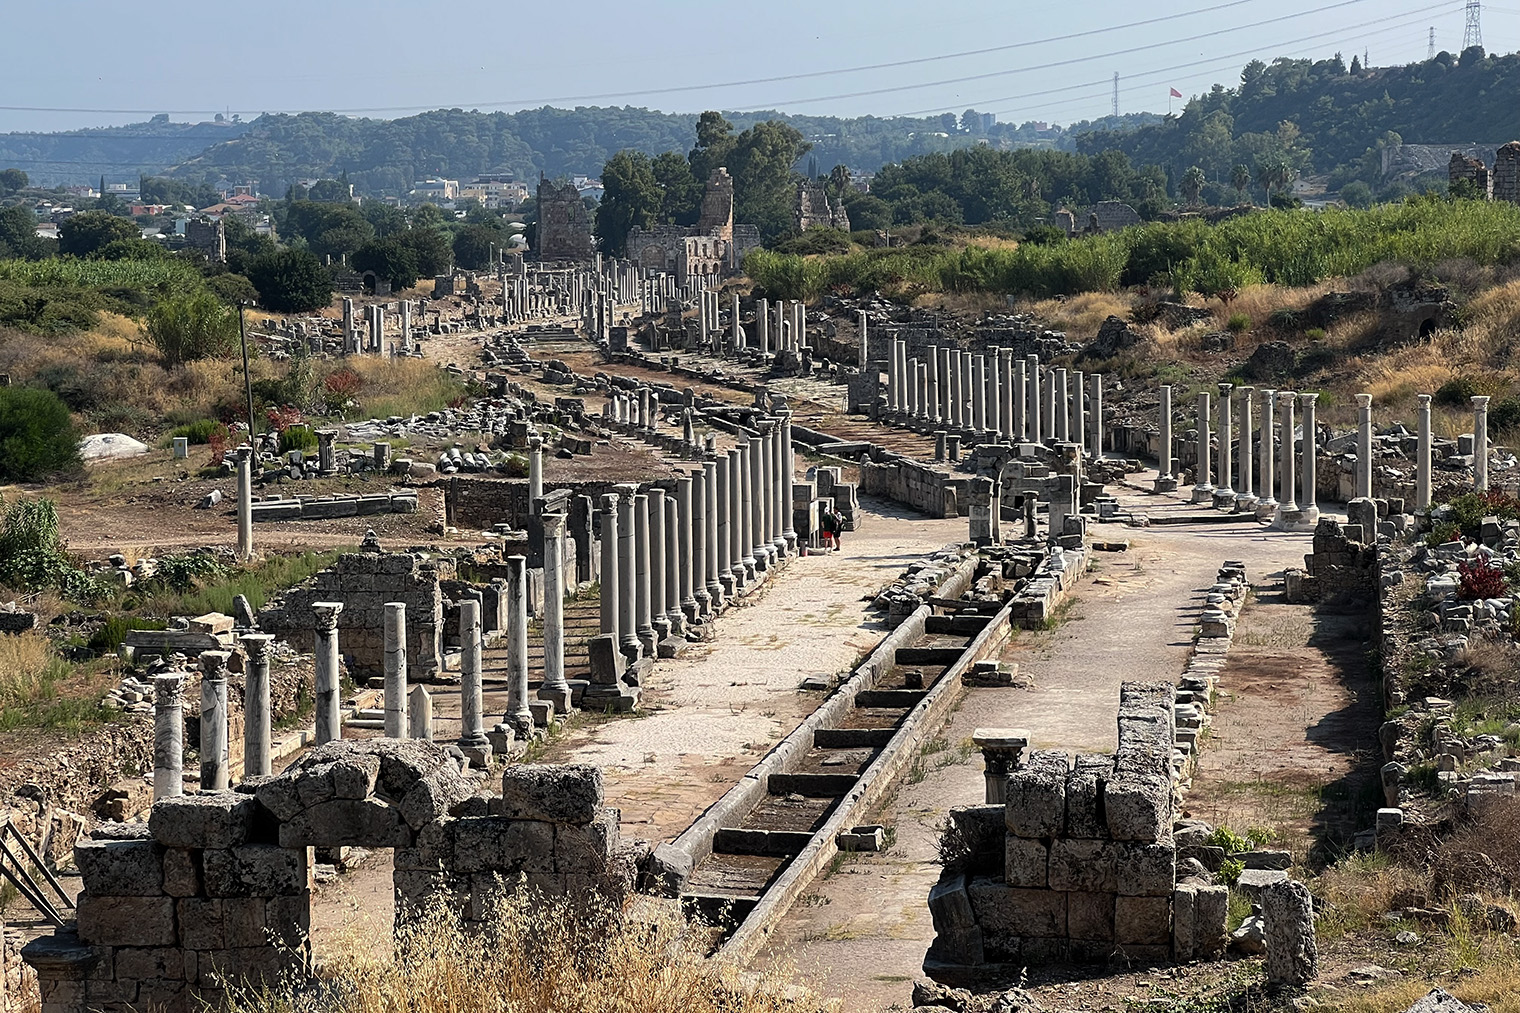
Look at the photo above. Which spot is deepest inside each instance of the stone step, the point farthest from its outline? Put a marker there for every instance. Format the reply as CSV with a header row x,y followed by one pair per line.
x,y
928,655
851,738
811,785
895,698
755,841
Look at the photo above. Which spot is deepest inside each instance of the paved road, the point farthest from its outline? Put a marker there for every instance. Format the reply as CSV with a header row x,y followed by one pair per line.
x,y
864,932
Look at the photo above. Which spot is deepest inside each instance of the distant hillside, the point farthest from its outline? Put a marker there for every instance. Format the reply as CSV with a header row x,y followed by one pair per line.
x,y
1344,116
118,153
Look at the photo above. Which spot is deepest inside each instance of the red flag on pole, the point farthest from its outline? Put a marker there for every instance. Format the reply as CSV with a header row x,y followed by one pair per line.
x,y
1176,93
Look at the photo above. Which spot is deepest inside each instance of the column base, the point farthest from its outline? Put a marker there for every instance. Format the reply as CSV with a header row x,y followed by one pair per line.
x,y
661,627
1310,514
1203,493
715,599
560,698
1224,498
631,647
791,541
677,620
1164,483
1287,518
1245,503
693,608
1266,509
751,567
477,752
730,585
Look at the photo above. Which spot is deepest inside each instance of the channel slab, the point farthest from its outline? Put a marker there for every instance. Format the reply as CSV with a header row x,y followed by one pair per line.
x,y
755,841
852,738
894,699
914,656
811,785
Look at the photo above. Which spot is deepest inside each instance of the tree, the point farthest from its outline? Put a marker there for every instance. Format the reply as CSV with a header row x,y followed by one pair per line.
x,y
82,234
1358,194
431,250
680,190
391,261
191,327
37,435
290,281
1240,179
428,216
761,164
715,142
1192,184
473,243
18,234
12,180
232,289
631,199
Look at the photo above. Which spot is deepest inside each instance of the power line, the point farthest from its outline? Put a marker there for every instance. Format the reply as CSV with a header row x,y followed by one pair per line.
x,y
890,65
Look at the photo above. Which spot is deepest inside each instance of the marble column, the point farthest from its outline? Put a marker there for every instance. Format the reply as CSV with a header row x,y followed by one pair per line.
x,y
947,357
755,482
1224,493
1363,445
659,561
1060,407
1164,468
724,507
865,343
257,736
1308,503
325,616
738,516
472,731
1049,407
979,394
627,568
168,735
395,669
763,325
419,714
689,533
1032,414
788,464
1287,506
993,376
1266,502
245,503
1422,455
535,470
554,688
1078,427
1095,415
1011,395
967,417
932,384
675,617
1245,499
713,543
1480,443
215,770
519,714
643,575
921,391
1203,487
608,577
1020,401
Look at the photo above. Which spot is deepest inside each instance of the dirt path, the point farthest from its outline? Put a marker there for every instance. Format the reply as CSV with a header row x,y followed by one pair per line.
x,y
863,932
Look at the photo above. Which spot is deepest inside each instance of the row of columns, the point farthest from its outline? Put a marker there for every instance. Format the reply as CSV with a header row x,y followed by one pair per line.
x,y
998,395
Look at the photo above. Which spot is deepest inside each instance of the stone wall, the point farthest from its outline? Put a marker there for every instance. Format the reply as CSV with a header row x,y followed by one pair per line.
x,y
1079,862
1342,567
482,503
219,884
564,224
926,489
364,582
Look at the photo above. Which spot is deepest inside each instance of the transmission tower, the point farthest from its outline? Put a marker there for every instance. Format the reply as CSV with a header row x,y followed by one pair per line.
x,y
1430,54
1116,93
1473,34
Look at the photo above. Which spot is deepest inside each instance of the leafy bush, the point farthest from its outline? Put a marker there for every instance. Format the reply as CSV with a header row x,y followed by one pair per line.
x,y
1238,323
1478,579
32,556
290,281
193,327
1229,840
299,437
37,435
340,388
1230,870
199,432
184,572
1505,414
1456,392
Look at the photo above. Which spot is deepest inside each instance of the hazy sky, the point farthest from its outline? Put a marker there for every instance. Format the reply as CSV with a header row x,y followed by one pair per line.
x,y
383,58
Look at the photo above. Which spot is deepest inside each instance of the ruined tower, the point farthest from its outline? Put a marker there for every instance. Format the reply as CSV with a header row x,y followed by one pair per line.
x,y
564,224
718,206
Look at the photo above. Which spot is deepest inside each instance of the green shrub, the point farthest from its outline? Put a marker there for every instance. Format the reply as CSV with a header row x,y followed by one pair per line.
x,y
37,435
198,432
1229,840
1505,414
1238,323
1230,870
1456,392
107,639
198,326
298,438
1315,334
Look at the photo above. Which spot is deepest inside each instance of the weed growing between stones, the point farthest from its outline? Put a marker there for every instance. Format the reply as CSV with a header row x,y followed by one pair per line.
x,y
555,955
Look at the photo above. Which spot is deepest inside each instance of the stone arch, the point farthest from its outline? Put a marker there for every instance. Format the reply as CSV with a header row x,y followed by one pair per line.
x,y
369,280
1427,328
218,884
653,257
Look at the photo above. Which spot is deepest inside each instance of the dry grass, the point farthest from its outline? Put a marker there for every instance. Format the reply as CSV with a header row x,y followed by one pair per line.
x,y
26,660
1082,315
540,955
1359,889
1259,302
1497,984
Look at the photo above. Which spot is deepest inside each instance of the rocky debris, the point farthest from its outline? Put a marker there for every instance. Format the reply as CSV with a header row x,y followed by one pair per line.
x,y
1272,360
1441,1001
920,580
1251,937
1114,336
932,997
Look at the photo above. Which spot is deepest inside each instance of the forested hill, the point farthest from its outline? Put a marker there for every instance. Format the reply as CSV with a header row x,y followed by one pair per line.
x,y
1342,115
118,153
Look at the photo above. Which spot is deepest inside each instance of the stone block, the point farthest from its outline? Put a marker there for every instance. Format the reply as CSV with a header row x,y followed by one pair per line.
x,y
253,963
434,793
126,921
1005,910
351,776
339,823
1090,916
182,874
1145,870
120,868
1287,913
1183,929
1137,807
1026,862
1082,865
1084,815
255,870
1143,920
211,820
570,793
149,962
287,920
950,905
584,850
1036,800
1211,914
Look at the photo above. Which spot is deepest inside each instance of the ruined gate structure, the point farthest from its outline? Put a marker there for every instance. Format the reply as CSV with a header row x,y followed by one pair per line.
x,y
217,885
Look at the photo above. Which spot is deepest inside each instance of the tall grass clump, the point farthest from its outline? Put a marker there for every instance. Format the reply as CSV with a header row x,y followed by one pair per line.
x,y
160,276
535,953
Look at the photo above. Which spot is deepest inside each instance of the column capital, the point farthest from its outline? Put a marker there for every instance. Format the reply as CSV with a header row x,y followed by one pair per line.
x,y
256,644
326,615
1225,388
1480,402
214,664
609,501
1246,391
554,524
1308,400
1363,400
168,689
1290,395
1424,401
1269,392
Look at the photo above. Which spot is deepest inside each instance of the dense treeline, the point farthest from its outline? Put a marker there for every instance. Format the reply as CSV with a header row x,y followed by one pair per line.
x,y
1341,116
1290,247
